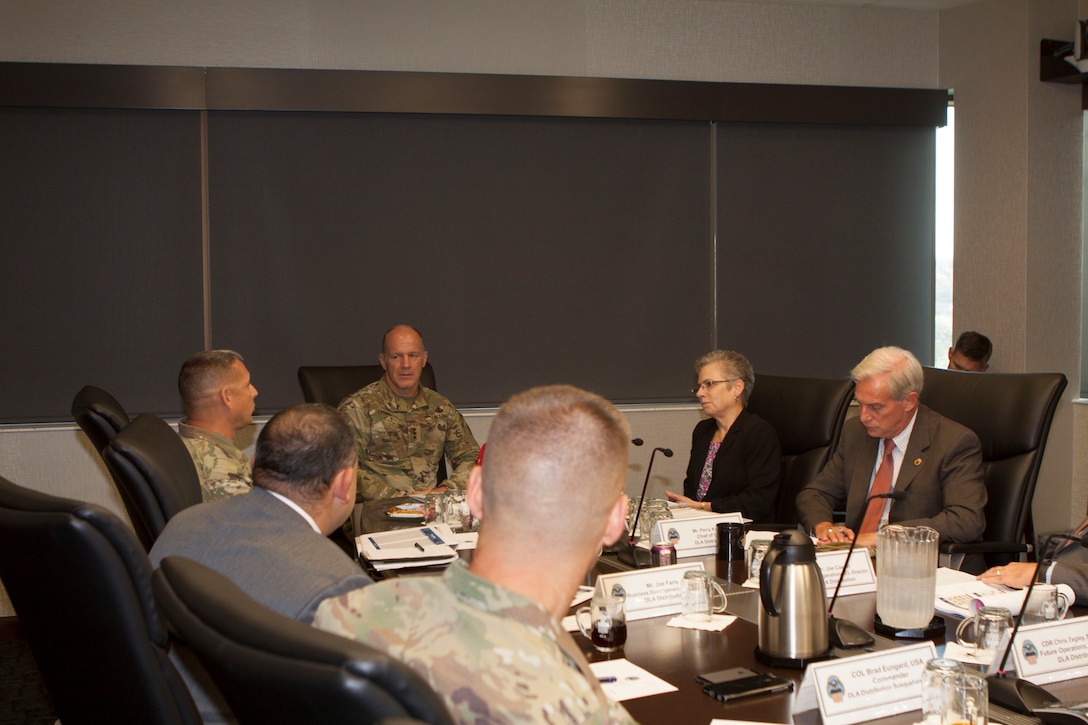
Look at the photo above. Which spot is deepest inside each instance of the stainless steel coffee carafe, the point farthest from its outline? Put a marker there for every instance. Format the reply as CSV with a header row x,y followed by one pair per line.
x,y
793,611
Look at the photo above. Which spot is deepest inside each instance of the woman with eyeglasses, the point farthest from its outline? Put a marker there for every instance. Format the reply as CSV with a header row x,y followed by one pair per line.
x,y
736,461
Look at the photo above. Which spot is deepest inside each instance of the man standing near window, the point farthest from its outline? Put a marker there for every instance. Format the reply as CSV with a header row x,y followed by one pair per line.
x,y
970,353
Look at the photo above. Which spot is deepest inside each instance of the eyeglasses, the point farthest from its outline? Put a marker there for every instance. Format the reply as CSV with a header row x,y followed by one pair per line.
x,y
708,384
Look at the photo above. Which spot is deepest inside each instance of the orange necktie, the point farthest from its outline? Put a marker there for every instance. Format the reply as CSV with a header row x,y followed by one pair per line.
x,y
882,483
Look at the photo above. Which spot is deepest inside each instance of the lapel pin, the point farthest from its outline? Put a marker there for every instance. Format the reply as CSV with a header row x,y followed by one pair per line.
x,y
917,461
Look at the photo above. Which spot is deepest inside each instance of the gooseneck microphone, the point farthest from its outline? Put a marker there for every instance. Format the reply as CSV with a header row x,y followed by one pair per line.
x,y
628,553
1016,693
636,441
842,632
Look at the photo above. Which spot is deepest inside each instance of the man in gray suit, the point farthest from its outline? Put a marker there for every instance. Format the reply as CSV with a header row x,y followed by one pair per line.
x,y
934,462
272,541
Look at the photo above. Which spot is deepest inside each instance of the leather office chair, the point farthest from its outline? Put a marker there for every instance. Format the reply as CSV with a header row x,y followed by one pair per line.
x,y
154,474
1011,413
81,586
273,669
807,414
329,384
99,415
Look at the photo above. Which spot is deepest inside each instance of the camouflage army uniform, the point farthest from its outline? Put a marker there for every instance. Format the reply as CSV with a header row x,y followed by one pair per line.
x,y
494,655
401,441
222,468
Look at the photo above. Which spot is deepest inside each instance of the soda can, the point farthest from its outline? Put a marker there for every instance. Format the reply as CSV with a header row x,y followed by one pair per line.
x,y
662,553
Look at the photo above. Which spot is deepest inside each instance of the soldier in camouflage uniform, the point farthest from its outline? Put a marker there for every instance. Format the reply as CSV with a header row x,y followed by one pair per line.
x,y
219,398
404,429
222,468
487,636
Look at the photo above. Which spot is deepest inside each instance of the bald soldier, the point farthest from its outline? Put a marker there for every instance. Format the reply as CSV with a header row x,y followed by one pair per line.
x,y
487,636
403,430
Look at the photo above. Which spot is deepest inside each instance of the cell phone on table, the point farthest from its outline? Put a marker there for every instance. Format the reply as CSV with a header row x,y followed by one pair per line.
x,y
739,682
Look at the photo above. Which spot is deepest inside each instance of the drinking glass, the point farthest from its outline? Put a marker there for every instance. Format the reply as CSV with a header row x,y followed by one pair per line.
x,y
1046,604
934,690
987,628
967,700
698,592
456,513
607,616
756,551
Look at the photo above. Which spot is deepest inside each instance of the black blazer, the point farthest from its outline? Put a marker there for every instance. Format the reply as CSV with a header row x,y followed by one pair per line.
x,y
747,468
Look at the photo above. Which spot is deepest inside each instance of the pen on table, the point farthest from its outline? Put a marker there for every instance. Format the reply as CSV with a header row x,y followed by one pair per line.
x,y
606,679
418,546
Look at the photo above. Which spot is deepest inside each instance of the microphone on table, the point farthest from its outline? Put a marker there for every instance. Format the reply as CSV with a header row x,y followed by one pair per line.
x,y
627,554
842,632
1015,693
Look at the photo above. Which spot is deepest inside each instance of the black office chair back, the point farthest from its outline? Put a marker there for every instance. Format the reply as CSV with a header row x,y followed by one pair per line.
x,y
1011,413
330,384
99,415
154,473
80,583
273,669
807,414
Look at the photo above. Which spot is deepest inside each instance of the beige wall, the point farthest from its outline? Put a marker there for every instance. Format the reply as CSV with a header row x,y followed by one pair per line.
x,y
1018,213
675,39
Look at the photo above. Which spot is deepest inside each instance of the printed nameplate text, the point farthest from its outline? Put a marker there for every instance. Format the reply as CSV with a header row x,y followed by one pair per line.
x,y
652,592
866,687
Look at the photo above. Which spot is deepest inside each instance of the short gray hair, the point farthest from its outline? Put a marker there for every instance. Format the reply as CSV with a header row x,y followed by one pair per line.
x,y
736,366
902,368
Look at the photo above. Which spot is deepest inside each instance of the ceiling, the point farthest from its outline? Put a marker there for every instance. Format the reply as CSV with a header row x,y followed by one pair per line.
x,y
908,4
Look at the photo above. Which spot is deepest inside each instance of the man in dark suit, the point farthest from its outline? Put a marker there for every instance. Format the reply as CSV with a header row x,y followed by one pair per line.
x,y
896,444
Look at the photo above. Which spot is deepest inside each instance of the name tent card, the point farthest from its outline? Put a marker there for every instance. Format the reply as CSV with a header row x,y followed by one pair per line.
x,y
1050,652
865,687
860,577
652,592
695,535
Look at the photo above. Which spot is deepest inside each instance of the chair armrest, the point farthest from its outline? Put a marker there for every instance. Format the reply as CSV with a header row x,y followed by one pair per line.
x,y
986,547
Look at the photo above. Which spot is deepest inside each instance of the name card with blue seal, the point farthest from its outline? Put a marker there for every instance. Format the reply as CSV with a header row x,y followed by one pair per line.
x,y
652,592
695,535
865,687
1049,652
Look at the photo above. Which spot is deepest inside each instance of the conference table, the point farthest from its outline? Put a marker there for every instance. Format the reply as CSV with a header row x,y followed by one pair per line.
x,y
677,655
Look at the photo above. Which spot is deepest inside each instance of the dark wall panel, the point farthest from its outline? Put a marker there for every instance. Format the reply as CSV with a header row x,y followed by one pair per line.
x,y
825,244
101,244
537,229
528,251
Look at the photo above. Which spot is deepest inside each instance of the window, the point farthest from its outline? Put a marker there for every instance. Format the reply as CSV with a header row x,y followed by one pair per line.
x,y
943,242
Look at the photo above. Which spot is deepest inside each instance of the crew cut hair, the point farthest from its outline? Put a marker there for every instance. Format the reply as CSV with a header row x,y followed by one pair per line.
x,y
204,373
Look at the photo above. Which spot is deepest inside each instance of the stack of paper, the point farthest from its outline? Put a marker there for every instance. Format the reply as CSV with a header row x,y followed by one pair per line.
x,y
426,546
962,595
